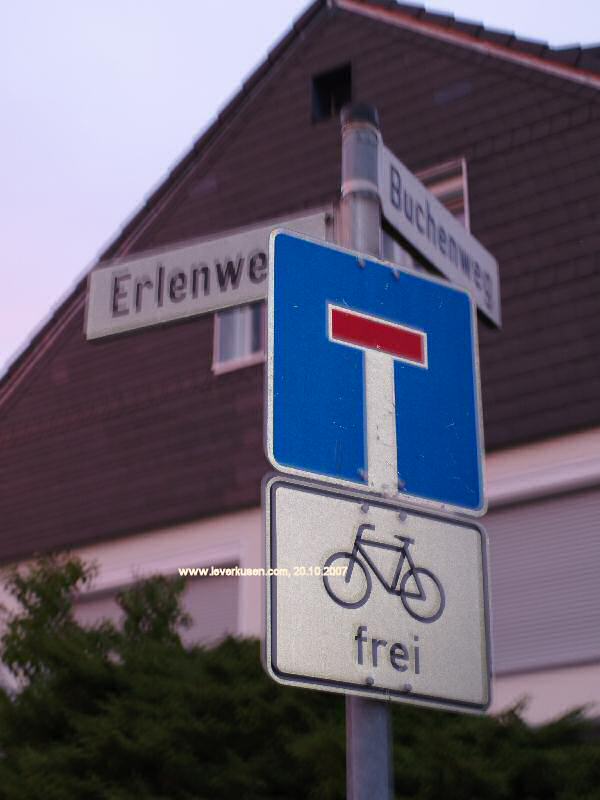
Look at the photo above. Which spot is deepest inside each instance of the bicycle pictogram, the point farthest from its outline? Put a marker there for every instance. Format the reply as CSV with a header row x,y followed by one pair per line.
x,y
419,589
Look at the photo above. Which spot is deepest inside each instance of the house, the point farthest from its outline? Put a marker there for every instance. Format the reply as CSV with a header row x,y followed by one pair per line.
x,y
144,452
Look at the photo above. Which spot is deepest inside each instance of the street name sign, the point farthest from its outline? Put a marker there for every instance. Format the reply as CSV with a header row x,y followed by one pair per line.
x,y
431,229
371,599
188,280
372,377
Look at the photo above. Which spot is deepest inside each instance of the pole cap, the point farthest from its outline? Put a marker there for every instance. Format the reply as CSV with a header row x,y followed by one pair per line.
x,y
359,112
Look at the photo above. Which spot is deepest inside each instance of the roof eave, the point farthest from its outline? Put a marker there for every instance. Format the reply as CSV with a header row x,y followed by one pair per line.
x,y
447,33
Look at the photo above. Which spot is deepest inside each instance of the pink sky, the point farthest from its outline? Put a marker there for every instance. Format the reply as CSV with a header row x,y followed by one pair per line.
x,y
100,99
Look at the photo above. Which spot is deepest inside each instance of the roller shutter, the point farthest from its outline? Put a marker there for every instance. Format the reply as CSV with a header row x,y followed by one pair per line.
x,y
545,582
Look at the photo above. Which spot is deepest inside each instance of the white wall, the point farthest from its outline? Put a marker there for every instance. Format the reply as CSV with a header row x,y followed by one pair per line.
x,y
217,541
549,693
515,475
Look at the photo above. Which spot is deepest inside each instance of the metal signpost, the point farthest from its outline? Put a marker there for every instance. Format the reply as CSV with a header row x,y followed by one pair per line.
x,y
369,765
188,280
373,391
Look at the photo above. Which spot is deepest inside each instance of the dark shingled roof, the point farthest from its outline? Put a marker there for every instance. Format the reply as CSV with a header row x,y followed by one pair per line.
x,y
133,433
584,58
575,56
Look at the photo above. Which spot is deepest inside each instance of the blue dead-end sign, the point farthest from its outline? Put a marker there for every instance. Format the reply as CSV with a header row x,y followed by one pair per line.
x,y
372,377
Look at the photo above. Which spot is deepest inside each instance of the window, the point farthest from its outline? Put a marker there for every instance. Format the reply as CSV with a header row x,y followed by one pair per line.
x,y
239,337
448,182
330,91
212,604
536,624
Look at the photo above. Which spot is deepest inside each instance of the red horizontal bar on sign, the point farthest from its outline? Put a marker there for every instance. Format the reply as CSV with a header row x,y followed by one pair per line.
x,y
349,327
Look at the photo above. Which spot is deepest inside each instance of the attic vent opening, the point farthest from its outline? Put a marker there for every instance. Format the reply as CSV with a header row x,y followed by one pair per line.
x,y
330,91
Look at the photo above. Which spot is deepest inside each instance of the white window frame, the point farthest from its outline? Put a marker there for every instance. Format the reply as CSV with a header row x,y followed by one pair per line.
x,y
220,367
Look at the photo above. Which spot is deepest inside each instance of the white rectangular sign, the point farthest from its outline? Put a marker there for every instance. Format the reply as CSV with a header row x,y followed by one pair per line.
x,y
368,598
430,228
187,280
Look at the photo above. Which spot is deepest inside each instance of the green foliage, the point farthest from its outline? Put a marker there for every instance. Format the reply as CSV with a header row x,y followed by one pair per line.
x,y
118,714
446,755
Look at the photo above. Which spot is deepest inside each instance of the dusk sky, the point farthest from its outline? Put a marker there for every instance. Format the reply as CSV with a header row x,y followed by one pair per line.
x,y
101,98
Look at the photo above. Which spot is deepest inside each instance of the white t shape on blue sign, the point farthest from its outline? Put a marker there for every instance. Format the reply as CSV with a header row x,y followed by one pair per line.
x,y
382,342
372,377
